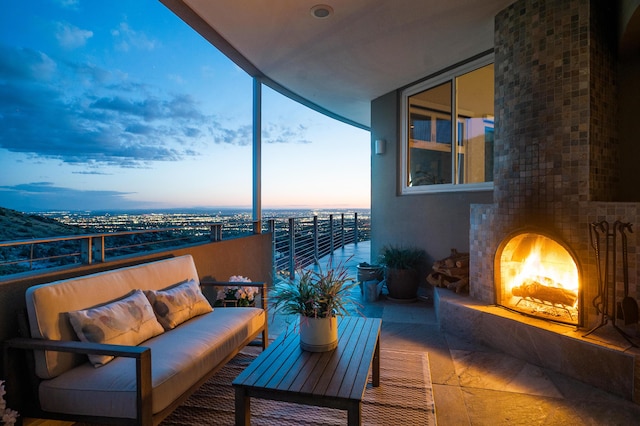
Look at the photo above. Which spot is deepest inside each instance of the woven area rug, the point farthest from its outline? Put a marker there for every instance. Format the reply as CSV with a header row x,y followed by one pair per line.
x,y
404,396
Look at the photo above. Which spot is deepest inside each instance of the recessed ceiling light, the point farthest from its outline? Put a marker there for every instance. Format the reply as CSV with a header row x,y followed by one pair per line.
x,y
321,11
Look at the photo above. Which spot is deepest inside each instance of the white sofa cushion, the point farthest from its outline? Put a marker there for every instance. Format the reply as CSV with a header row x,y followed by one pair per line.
x,y
127,321
179,358
177,304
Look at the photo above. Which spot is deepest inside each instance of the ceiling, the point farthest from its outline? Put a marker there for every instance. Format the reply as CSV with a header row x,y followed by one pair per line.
x,y
339,64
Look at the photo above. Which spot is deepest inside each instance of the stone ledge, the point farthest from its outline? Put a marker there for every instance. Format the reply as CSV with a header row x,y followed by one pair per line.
x,y
603,359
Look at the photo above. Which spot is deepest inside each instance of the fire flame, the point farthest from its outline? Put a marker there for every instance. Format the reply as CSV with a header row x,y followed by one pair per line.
x,y
547,264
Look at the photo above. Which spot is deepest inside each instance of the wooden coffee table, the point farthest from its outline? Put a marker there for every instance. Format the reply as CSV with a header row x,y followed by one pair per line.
x,y
334,379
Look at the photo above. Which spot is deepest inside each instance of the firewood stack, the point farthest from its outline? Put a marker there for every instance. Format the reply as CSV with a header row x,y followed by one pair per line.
x,y
451,272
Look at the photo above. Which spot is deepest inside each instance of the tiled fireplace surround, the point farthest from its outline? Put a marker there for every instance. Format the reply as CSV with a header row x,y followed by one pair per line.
x,y
556,170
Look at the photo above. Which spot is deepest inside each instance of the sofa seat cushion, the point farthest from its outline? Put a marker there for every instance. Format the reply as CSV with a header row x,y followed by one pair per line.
x,y
179,358
127,321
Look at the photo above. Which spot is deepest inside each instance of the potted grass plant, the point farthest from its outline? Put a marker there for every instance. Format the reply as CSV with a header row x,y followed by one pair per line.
x,y
318,296
402,265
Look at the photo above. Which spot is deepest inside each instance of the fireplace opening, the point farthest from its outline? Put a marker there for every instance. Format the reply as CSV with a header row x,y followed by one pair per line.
x,y
538,275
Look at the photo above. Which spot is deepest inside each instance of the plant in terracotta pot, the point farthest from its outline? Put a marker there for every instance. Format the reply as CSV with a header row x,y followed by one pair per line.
x,y
402,265
318,296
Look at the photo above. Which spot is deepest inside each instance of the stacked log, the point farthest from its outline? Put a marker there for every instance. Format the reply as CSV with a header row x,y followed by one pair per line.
x,y
537,291
451,272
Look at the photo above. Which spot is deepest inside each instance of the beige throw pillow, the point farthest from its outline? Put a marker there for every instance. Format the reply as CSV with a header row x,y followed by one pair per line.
x,y
127,321
178,303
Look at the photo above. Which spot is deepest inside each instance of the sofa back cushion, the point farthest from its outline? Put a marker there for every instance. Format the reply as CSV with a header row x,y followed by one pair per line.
x,y
177,304
48,304
127,321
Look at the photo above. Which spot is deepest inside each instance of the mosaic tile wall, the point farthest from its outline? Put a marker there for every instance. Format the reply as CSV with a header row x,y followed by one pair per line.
x,y
556,150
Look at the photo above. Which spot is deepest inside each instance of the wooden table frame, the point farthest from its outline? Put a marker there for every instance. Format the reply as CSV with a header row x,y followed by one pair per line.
x,y
334,379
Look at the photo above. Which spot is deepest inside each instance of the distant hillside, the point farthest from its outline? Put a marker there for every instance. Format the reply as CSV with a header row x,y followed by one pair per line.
x,y
15,225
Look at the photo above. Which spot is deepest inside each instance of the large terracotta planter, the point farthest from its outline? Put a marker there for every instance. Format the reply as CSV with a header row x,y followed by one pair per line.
x,y
402,284
318,334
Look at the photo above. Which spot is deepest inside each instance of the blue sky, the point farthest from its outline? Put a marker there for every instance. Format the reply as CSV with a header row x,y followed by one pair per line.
x,y
121,105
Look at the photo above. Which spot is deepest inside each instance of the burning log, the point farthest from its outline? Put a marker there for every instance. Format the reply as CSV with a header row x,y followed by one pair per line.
x,y
451,272
537,291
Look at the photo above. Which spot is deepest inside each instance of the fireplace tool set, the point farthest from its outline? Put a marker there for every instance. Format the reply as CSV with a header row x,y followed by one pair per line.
x,y
612,310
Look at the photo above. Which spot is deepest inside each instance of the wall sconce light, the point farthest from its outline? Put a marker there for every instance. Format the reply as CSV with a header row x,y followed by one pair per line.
x,y
380,146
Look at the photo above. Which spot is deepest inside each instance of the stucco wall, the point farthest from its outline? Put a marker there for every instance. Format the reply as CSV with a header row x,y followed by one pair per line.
x,y
434,222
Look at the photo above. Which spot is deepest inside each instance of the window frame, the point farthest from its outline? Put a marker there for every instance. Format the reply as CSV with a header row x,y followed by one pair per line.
x,y
449,76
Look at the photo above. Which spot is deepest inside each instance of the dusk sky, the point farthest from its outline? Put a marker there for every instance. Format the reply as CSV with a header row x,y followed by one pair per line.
x,y
120,105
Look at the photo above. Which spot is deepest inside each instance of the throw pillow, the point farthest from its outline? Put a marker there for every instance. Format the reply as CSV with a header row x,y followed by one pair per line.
x,y
127,321
178,303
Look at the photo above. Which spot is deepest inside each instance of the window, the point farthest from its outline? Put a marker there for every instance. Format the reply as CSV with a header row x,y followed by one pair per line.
x,y
441,153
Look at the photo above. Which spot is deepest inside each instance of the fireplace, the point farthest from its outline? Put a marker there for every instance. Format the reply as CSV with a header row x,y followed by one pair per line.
x,y
556,160
537,275
557,171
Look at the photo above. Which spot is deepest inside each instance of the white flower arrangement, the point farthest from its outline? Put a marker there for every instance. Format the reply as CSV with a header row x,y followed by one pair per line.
x,y
242,295
9,416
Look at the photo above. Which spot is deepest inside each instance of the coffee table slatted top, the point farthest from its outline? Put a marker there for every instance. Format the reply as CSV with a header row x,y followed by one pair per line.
x,y
286,372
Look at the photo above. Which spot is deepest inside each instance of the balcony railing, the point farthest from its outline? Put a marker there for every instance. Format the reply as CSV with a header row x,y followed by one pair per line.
x,y
297,242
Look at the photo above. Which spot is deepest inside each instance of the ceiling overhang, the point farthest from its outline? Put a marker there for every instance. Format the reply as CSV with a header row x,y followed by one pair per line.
x,y
363,50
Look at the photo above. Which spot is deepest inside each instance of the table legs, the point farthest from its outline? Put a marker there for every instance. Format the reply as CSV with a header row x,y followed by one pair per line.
x,y
376,365
354,414
243,407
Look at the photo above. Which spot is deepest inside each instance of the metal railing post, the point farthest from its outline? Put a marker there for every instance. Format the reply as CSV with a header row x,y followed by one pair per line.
x,y
272,230
292,248
315,238
216,232
342,230
331,237
257,227
86,251
355,228
100,251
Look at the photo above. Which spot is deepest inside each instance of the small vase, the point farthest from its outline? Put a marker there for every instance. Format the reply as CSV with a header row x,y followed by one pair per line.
x,y
318,334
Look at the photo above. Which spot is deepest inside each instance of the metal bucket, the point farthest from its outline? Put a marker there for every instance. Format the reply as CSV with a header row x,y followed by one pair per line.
x,y
371,290
370,272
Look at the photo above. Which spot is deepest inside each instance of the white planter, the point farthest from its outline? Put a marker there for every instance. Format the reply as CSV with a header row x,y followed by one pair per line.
x,y
318,334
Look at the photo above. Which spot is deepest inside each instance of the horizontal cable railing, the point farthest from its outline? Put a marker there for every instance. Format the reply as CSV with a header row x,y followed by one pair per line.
x,y
297,242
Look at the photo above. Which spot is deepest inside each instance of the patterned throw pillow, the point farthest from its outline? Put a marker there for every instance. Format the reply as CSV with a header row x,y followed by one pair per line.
x,y
178,303
127,321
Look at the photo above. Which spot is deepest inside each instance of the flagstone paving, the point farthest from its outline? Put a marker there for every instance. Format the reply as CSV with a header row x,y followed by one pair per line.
x,y
476,385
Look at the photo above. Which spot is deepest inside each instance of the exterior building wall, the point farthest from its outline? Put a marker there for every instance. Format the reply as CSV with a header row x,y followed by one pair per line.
x,y
434,222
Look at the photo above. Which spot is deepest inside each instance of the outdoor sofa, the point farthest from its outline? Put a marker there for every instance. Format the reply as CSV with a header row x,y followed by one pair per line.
x,y
184,342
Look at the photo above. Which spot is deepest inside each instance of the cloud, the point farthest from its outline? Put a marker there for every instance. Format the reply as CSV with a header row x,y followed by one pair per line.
x,y
272,133
279,133
79,113
71,37
25,65
71,4
91,172
126,38
36,195
45,112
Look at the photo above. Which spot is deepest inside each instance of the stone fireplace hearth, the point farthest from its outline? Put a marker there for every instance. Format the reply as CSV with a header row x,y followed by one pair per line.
x,y
557,170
